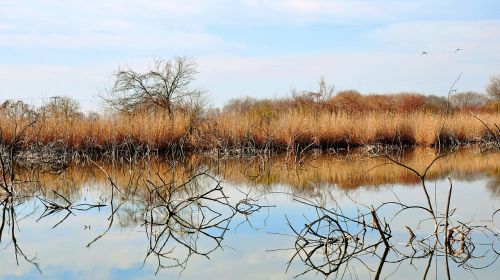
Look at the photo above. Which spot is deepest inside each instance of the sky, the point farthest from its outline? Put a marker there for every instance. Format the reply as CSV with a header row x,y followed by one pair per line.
x,y
256,48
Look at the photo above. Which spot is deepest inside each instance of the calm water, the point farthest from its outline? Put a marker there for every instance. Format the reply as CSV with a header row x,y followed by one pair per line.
x,y
257,223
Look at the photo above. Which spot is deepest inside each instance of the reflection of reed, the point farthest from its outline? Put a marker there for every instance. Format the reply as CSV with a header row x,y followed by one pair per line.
x,y
356,170
344,172
79,177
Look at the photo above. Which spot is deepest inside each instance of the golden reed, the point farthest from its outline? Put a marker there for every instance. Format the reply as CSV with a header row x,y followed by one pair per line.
x,y
234,130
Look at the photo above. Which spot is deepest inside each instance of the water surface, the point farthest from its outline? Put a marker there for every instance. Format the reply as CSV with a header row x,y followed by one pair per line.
x,y
245,218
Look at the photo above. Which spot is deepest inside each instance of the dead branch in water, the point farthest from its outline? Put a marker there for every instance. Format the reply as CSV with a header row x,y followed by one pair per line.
x,y
185,214
9,218
332,242
53,207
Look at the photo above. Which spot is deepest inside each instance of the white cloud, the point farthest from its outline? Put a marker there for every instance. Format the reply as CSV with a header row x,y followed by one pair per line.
x,y
344,9
226,77
230,77
83,15
78,21
138,30
444,36
169,25
175,40
4,27
35,84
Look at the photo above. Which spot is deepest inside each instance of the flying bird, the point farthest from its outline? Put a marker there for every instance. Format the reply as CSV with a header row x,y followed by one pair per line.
x,y
457,50
424,53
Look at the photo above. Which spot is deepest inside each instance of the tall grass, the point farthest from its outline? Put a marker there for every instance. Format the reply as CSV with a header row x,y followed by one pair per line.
x,y
330,130
158,131
234,130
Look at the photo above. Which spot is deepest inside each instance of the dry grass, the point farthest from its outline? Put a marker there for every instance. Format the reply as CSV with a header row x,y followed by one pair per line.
x,y
159,131
328,130
234,130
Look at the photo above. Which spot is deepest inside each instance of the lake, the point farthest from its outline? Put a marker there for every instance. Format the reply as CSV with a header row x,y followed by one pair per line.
x,y
335,216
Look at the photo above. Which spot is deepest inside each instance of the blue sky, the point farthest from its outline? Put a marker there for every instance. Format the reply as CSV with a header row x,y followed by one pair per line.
x,y
248,48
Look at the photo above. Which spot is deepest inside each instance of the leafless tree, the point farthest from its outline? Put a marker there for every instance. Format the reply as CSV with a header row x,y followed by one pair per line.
x,y
468,99
493,88
61,107
16,109
325,92
165,86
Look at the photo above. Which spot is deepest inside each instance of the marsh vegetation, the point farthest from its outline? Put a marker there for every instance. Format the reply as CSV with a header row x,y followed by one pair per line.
x,y
324,184
159,112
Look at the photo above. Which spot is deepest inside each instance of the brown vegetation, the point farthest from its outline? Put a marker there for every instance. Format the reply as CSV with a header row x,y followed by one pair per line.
x,y
159,111
344,121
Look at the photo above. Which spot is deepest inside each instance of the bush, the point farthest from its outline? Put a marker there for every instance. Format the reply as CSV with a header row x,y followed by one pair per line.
x,y
409,102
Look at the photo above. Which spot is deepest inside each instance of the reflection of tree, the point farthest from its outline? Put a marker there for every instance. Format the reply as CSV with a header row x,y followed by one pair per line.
x,y
332,243
182,216
333,239
493,187
8,226
183,220
186,213
54,207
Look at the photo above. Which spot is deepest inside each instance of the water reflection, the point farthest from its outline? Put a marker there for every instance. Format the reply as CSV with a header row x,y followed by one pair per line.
x,y
192,216
222,216
8,231
345,172
333,243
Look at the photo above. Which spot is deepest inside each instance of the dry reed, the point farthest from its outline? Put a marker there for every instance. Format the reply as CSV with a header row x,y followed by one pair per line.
x,y
234,130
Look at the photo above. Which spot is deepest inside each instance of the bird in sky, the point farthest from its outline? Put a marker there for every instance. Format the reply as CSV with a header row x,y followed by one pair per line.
x,y
457,50
424,53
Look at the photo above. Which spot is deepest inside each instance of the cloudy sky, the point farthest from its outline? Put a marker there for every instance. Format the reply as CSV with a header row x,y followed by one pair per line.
x,y
253,48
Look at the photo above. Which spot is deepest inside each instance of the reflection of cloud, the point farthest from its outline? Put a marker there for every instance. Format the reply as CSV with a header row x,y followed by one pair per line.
x,y
62,250
119,255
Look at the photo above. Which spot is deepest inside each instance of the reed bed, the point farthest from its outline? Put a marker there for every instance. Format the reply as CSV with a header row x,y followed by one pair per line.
x,y
229,131
329,130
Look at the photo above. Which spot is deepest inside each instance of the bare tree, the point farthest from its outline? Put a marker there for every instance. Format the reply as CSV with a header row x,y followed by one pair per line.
x,y
493,88
61,107
468,99
165,85
16,109
325,92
